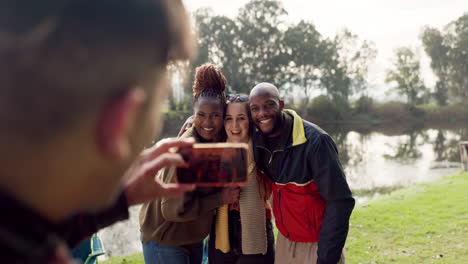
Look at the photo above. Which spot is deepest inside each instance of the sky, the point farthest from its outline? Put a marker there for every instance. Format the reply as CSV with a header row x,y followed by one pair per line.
x,y
388,23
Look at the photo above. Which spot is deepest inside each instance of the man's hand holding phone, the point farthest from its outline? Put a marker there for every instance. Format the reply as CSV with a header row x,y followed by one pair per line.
x,y
140,181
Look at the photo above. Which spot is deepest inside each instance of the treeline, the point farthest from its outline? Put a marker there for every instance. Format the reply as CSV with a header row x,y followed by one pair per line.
x,y
259,45
448,51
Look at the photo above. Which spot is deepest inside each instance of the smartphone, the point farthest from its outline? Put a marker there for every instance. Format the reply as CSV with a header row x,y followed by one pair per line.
x,y
214,164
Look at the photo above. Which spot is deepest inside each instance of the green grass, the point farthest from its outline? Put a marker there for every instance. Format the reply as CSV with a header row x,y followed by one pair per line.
x,y
136,258
426,223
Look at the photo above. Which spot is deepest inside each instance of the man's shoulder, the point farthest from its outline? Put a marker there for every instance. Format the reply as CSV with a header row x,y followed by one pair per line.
x,y
312,131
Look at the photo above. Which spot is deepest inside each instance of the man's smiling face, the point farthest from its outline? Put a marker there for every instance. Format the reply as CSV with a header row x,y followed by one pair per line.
x,y
266,112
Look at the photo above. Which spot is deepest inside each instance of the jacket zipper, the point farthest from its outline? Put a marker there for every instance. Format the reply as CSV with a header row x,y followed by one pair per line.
x,y
271,153
279,192
281,213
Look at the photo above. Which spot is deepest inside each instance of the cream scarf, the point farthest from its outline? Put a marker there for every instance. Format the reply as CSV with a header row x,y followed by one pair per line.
x,y
252,214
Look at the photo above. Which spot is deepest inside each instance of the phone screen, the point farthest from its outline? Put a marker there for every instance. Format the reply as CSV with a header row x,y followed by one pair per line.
x,y
214,164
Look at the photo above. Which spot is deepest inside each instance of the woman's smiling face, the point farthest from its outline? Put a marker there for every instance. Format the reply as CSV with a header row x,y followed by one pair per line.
x,y
236,122
208,117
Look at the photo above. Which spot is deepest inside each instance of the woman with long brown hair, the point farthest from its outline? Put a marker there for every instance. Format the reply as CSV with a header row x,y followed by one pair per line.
x,y
242,231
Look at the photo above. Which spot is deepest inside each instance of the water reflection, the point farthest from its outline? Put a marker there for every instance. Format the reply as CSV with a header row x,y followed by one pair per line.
x,y
447,148
382,161
406,150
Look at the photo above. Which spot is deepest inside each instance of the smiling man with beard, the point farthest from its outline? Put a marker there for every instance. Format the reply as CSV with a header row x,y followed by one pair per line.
x,y
311,198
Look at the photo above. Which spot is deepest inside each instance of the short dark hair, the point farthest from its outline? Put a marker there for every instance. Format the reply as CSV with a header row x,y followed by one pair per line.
x,y
60,59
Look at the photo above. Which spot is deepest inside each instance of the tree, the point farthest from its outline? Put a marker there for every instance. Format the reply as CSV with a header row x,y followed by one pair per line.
x,y
434,46
260,23
407,75
334,79
303,49
247,49
258,46
227,51
202,18
345,66
448,51
355,56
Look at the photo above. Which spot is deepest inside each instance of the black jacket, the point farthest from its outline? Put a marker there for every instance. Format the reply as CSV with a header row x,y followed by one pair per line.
x,y
28,238
312,201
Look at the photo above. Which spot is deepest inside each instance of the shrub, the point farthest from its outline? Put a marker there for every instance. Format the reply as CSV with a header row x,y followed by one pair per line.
x,y
323,109
364,104
450,113
394,111
417,113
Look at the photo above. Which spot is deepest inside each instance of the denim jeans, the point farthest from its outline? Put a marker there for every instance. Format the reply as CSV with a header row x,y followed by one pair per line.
x,y
155,253
205,251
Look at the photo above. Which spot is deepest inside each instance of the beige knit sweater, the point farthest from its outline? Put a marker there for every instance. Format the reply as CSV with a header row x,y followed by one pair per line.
x,y
252,213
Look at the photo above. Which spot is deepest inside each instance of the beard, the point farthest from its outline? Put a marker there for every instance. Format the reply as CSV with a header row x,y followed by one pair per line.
x,y
277,123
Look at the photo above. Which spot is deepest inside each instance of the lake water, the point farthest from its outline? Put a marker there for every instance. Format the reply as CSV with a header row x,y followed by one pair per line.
x,y
376,161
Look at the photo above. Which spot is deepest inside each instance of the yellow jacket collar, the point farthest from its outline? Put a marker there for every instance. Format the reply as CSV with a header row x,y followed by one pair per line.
x,y
298,134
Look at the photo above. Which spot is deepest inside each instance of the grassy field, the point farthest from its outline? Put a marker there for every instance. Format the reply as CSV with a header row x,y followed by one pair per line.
x,y
132,259
426,223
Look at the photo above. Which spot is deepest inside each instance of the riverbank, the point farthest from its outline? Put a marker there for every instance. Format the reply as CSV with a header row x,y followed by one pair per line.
x,y
389,118
425,223
380,114
385,115
365,111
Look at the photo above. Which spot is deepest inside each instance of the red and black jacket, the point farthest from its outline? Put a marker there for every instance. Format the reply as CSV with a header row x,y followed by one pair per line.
x,y
312,201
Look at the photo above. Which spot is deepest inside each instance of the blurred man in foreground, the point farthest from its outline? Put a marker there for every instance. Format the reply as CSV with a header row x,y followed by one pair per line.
x,y
81,86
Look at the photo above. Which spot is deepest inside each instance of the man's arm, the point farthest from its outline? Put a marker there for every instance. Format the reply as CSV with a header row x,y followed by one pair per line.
x,y
81,226
329,176
140,186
